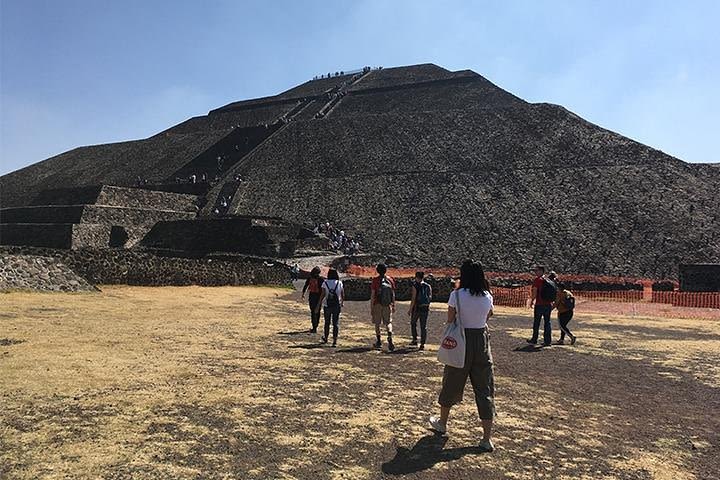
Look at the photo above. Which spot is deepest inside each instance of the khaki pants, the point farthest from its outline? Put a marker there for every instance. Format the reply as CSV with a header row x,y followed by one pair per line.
x,y
381,314
479,367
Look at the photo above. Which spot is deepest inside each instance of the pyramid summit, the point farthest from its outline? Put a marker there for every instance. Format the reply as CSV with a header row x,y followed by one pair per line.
x,y
430,165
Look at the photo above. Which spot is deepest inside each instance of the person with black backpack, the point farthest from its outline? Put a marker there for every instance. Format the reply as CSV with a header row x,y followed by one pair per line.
x,y
419,308
331,299
565,304
313,285
382,304
542,296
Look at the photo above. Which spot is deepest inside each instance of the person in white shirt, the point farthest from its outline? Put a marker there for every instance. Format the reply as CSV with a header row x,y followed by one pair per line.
x,y
474,304
332,298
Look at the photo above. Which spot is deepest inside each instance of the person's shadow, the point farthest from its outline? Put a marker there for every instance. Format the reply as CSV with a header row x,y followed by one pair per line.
x,y
427,452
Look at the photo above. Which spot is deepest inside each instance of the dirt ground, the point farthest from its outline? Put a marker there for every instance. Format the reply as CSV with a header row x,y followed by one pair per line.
x,y
224,383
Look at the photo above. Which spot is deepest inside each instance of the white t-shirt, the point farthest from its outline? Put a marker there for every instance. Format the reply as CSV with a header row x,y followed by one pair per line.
x,y
330,285
474,309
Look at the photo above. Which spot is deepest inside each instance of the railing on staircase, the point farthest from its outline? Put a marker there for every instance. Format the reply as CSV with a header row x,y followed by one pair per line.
x,y
337,93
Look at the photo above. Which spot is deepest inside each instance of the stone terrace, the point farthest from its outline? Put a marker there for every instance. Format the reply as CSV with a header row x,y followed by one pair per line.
x,y
455,94
270,237
116,163
397,76
96,216
156,159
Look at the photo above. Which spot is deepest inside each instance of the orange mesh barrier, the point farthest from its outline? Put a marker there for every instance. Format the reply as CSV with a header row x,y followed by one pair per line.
x,y
699,305
643,302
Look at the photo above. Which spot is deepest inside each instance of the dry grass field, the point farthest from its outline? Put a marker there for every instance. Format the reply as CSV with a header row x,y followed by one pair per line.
x,y
224,383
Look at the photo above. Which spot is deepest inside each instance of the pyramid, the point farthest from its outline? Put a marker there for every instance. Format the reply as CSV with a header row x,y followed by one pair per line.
x,y
431,166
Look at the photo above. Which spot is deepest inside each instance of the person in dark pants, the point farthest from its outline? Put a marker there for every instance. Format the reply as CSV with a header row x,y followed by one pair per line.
x,y
313,285
565,305
332,299
419,308
541,307
477,308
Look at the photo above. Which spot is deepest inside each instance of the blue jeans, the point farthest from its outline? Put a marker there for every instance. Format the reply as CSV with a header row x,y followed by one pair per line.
x,y
542,312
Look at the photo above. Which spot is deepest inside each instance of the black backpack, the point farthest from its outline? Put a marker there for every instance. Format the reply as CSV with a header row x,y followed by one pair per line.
x,y
423,296
548,290
333,301
569,301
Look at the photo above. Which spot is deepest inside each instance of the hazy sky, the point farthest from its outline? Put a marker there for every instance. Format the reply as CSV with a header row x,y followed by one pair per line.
x,y
85,72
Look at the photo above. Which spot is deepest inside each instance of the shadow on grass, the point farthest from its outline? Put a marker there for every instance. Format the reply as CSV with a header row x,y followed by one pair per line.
x,y
308,346
425,454
299,332
356,350
402,351
530,348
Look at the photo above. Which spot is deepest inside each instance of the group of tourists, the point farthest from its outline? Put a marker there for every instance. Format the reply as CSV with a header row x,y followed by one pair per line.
x,y
339,240
470,306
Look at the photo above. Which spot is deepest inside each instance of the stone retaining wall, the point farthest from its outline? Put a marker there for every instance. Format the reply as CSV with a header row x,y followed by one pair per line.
x,y
31,272
115,196
700,277
267,237
135,267
130,216
141,198
60,235
89,214
67,196
358,289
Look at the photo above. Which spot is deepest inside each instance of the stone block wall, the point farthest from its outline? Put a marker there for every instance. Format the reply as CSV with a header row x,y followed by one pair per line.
x,y
67,196
315,243
33,272
358,289
130,216
37,234
141,198
42,214
266,237
196,189
89,214
56,235
132,267
90,235
700,277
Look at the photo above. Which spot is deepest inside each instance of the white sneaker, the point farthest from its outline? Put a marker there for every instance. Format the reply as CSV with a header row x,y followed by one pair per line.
x,y
486,446
437,425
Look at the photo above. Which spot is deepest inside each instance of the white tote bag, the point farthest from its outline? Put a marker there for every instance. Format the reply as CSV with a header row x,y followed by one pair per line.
x,y
452,346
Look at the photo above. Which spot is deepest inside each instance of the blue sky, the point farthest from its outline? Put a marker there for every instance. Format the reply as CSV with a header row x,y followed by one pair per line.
x,y
85,72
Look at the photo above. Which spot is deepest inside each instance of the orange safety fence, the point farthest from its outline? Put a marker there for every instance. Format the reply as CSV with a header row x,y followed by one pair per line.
x,y
511,297
525,277
642,301
699,305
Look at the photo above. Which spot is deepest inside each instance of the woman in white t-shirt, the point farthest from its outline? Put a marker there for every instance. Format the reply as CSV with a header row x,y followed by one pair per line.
x,y
474,304
332,298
